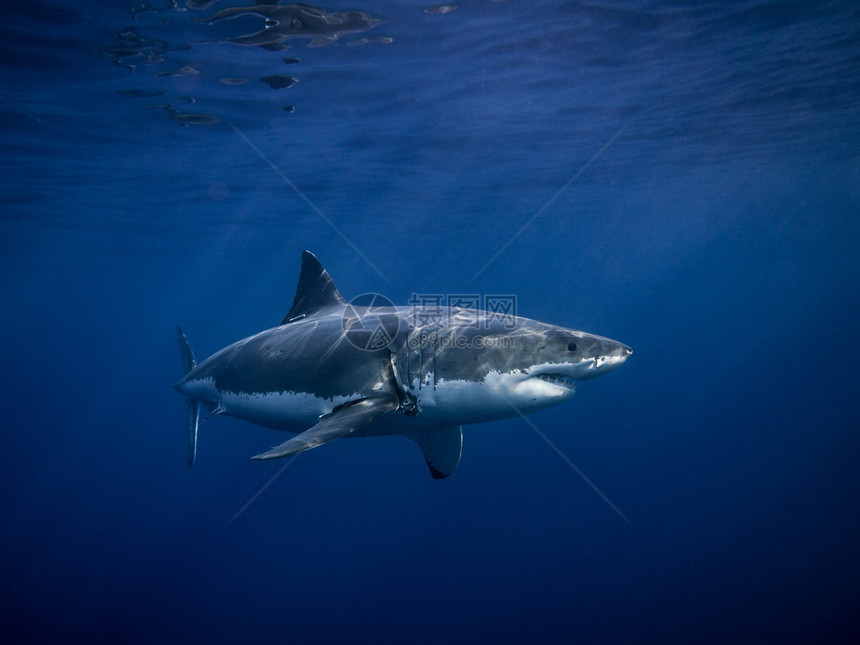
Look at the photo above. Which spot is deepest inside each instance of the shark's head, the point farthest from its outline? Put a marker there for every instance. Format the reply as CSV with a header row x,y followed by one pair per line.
x,y
546,362
567,355
520,370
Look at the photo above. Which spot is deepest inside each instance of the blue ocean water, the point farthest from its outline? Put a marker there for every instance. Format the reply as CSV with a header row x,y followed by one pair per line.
x,y
683,177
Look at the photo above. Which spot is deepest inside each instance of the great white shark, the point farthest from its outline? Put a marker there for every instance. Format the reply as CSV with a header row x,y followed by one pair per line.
x,y
334,369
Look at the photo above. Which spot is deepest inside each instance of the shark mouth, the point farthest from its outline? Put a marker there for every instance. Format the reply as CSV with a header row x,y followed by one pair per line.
x,y
558,379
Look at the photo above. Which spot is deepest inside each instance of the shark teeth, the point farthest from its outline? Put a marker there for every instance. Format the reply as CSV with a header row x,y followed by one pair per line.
x,y
558,379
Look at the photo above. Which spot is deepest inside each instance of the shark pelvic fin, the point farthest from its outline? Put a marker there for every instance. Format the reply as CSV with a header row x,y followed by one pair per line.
x,y
315,290
442,448
332,426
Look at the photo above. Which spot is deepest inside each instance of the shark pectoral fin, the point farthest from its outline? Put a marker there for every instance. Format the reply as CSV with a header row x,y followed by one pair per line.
x,y
332,426
441,447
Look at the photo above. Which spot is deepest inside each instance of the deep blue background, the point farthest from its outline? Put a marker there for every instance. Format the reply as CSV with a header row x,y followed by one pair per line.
x,y
717,235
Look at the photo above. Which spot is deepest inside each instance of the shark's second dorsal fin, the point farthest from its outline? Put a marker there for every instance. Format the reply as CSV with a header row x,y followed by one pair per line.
x,y
315,291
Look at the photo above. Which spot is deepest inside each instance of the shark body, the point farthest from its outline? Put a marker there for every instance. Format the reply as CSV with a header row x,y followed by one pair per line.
x,y
334,369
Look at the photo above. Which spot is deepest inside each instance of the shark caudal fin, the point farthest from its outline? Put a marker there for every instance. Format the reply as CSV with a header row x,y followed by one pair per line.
x,y
192,410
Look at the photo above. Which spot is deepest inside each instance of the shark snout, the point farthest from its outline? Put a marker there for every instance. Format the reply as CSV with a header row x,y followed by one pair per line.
x,y
181,385
198,389
607,355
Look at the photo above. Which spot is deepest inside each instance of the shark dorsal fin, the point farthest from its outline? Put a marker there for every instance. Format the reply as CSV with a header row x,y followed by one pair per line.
x,y
315,291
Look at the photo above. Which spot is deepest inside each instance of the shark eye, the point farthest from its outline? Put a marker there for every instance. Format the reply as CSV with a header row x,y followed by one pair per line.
x,y
571,347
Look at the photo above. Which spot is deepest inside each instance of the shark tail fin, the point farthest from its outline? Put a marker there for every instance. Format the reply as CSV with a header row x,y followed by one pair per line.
x,y
192,410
